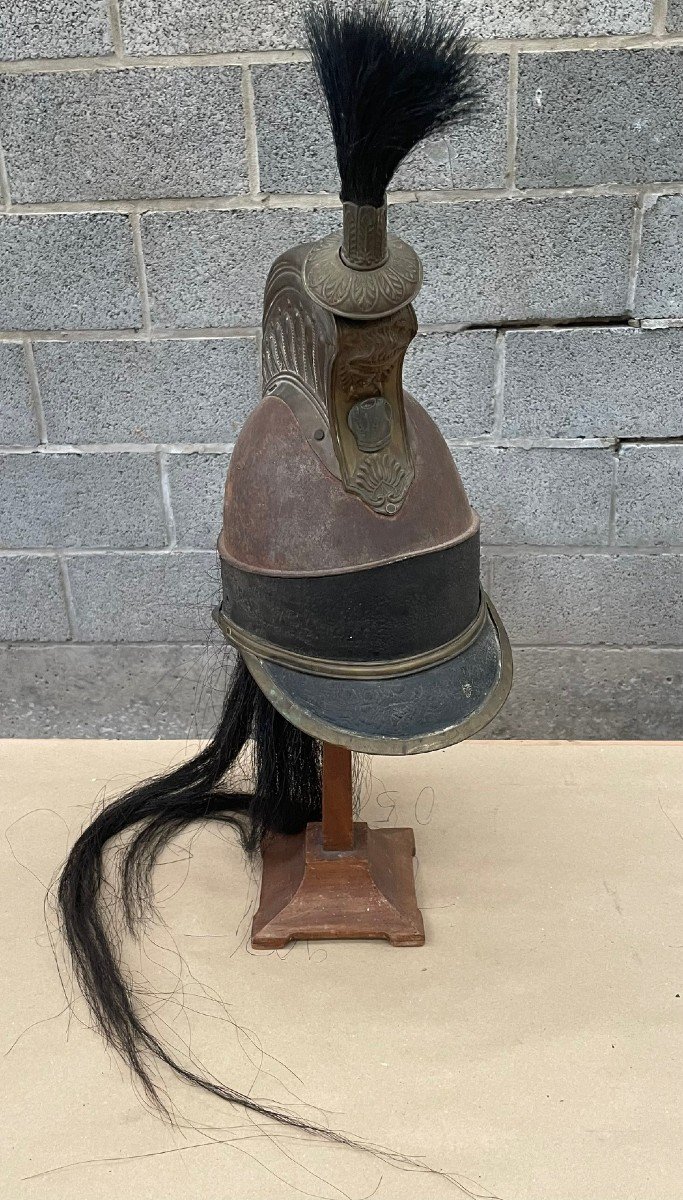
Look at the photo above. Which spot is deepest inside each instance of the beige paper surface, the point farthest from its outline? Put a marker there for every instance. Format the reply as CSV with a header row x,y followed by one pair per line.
x,y
533,1048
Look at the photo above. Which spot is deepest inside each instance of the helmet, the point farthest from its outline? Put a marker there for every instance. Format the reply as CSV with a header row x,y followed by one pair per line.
x,y
349,551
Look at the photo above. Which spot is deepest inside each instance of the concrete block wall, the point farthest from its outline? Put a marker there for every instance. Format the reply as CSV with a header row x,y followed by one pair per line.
x,y
155,156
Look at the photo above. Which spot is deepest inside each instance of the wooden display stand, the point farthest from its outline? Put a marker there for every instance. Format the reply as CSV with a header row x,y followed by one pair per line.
x,y
338,879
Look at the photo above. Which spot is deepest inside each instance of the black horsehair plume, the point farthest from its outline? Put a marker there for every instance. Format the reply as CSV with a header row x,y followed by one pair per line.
x,y
286,771
388,84
388,81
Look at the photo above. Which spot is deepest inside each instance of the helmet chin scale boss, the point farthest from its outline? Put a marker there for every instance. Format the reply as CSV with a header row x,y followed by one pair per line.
x,y
349,551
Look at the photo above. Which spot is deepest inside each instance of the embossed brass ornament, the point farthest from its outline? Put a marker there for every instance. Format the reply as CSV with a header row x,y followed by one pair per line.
x,y
376,288
370,423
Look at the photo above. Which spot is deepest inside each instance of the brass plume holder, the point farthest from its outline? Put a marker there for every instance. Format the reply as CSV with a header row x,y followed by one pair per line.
x,y
364,272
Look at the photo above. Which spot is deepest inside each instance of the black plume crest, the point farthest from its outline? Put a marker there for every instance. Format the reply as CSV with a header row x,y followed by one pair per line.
x,y
389,81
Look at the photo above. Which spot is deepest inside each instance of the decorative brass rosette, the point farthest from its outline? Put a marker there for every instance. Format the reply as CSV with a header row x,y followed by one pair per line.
x,y
362,295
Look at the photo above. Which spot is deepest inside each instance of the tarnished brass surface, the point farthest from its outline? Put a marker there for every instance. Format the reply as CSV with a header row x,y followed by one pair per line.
x,y
299,338
324,367
345,273
369,365
366,294
364,240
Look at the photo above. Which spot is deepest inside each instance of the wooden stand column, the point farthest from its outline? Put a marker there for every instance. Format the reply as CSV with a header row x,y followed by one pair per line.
x,y
338,879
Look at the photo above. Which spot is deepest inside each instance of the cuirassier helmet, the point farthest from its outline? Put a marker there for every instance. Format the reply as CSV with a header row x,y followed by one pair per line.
x,y
349,550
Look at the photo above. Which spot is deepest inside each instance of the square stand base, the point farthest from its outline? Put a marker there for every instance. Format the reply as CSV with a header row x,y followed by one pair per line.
x,y
366,892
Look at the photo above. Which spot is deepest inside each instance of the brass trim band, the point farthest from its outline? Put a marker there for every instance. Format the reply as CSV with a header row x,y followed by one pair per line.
x,y
333,668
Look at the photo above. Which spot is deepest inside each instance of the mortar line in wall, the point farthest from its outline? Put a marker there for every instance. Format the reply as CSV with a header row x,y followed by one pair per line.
x,y
498,442
493,441
259,351
498,385
576,44
511,550
539,550
534,325
141,273
476,442
613,647
612,519
115,26
315,200
170,204
129,335
238,58
104,551
513,75
126,62
659,322
29,644
67,594
217,331
624,441
250,132
252,331
5,191
659,17
634,255
165,485
80,448
36,399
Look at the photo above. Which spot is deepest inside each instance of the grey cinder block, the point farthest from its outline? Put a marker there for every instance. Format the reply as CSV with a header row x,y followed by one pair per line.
x,y
451,374
194,390
89,500
31,599
17,419
617,382
477,149
123,134
660,276
520,260
295,147
599,117
203,26
542,497
143,597
110,691
296,152
675,15
552,18
71,271
209,268
197,484
58,29
591,599
593,692
176,691
649,508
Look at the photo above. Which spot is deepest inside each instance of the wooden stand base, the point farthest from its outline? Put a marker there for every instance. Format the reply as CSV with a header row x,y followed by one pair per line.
x,y
367,891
